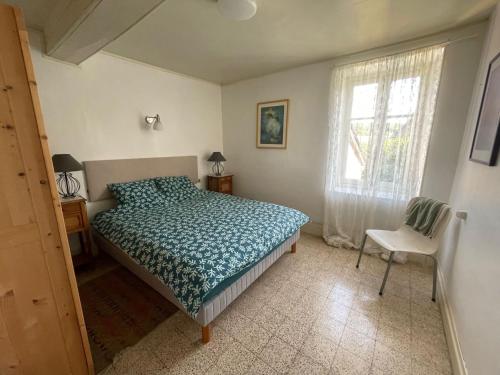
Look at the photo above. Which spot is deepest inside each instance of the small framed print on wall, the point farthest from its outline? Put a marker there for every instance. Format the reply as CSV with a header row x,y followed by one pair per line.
x,y
487,136
272,124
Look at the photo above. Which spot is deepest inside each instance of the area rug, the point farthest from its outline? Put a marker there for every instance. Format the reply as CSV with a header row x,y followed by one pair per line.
x,y
119,310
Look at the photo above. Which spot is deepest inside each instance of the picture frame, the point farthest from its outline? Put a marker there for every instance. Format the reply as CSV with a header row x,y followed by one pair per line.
x,y
272,124
486,141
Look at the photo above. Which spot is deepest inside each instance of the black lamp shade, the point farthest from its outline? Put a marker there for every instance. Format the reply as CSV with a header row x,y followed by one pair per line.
x,y
65,163
216,156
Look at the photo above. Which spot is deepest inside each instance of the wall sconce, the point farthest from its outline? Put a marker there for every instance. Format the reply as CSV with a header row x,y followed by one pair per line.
x,y
153,122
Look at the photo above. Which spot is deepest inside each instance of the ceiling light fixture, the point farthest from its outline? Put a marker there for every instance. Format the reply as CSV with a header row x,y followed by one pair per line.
x,y
239,10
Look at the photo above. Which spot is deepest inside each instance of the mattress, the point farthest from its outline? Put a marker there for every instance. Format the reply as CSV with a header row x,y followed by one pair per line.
x,y
200,246
211,308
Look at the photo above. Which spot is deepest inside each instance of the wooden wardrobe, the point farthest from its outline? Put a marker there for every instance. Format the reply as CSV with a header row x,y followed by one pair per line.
x,y
42,330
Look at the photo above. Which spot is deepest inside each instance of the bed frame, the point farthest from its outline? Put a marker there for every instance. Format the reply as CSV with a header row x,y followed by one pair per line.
x,y
100,173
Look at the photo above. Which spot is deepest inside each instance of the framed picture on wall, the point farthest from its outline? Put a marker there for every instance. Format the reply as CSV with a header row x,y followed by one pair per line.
x,y
272,124
487,136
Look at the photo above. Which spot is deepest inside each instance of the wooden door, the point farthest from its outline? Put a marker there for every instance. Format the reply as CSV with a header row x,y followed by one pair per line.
x,y
41,322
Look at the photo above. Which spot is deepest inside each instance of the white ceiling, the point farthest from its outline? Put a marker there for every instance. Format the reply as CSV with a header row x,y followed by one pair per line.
x,y
191,37
36,12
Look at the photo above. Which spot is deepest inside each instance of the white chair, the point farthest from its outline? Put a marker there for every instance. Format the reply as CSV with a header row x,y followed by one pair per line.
x,y
406,239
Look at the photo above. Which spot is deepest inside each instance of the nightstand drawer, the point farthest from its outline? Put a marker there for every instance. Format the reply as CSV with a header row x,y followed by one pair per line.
x,y
225,187
73,221
221,184
71,207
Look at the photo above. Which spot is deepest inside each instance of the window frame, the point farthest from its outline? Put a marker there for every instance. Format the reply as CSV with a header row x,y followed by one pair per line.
x,y
384,84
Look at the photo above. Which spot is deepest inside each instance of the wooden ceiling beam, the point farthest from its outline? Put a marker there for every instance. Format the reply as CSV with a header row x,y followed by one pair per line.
x,y
77,29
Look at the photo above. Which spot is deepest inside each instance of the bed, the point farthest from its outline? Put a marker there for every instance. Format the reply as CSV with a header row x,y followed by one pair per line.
x,y
199,249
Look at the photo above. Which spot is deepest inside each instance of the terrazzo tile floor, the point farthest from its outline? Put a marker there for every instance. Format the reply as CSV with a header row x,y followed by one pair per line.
x,y
311,312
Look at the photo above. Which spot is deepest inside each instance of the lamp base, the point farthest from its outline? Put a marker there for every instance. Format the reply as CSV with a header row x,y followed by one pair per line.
x,y
67,185
218,168
67,196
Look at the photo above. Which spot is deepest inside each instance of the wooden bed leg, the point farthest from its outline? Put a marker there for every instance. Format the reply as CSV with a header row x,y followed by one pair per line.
x,y
294,248
205,334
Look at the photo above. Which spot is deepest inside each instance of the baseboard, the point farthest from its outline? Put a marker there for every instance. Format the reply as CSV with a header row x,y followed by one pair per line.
x,y
450,328
314,228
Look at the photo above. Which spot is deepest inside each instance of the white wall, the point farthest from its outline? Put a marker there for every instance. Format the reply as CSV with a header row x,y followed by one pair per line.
x,y
295,176
470,257
96,110
457,80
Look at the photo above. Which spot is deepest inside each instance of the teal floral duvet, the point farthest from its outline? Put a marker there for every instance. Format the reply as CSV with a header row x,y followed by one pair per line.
x,y
194,245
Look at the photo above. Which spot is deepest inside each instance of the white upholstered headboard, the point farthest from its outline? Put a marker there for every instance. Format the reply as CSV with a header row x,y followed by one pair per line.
x,y
99,173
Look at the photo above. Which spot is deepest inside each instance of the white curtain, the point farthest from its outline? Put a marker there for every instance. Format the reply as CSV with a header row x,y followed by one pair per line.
x,y
381,117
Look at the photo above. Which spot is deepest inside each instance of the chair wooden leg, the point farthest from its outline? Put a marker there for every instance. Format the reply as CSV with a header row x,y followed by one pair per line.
x,y
294,248
361,250
434,279
205,334
389,263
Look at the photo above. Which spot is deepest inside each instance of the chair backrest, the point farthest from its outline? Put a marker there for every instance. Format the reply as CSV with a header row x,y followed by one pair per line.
x,y
442,225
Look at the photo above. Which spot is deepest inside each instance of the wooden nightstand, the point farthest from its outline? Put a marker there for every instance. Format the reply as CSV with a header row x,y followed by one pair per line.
x,y
221,184
76,221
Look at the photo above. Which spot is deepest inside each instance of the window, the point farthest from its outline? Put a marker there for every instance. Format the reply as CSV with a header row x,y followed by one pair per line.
x,y
379,121
380,124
